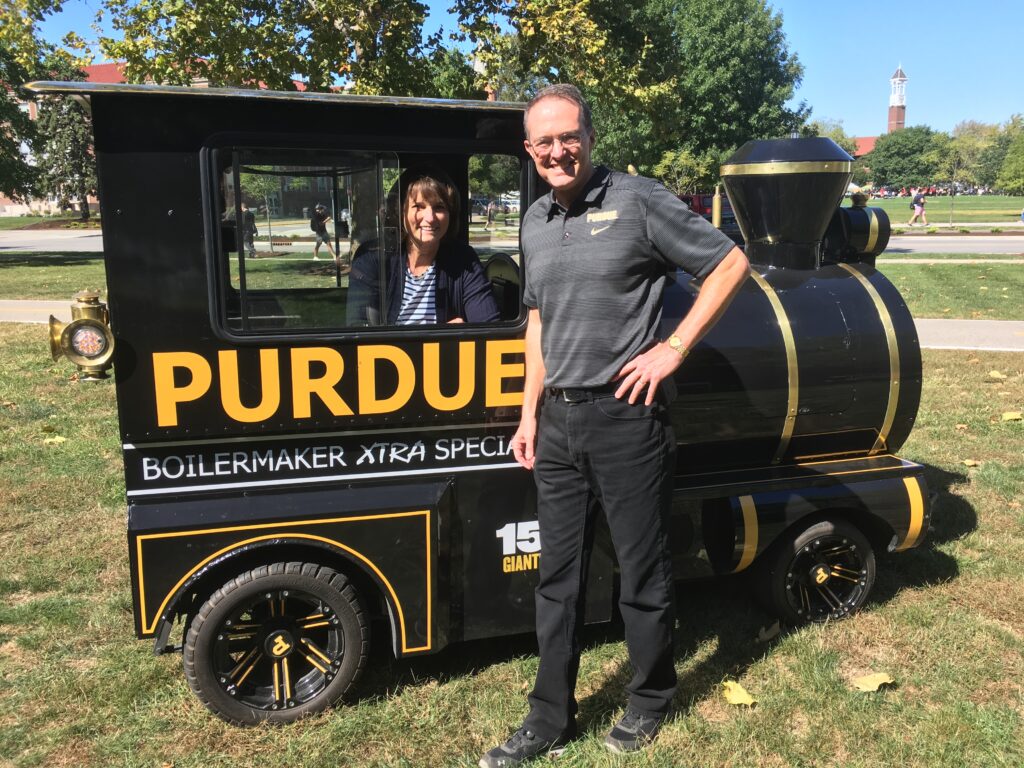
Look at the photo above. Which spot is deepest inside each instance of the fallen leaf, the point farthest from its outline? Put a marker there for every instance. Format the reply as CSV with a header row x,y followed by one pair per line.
x,y
767,633
48,428
1013,416
8,404
946,310
961,427
56,440
736,694
973,360
996,375
982,277
971,463
873,682
983,288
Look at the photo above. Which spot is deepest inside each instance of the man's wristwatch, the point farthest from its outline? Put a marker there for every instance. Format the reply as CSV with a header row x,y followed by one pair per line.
x,y
677,344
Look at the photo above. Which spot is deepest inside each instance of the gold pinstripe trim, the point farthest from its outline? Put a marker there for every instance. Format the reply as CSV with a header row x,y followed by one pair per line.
x,y
772,168
749,532
916,513
792,366
872,231
151,627
894,358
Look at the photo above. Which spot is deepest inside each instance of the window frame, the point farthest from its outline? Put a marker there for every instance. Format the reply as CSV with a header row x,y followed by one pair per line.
x,y
219,281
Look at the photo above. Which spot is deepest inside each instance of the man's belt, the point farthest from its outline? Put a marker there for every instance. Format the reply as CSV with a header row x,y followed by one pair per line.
x,y
582,394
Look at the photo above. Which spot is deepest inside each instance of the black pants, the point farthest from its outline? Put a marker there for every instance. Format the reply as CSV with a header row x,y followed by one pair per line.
x,y
603,451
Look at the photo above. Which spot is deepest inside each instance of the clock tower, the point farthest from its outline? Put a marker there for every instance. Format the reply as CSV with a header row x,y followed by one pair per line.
x,y
897,100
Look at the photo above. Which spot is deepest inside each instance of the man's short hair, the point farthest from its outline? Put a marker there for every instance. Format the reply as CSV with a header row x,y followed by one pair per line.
x,y
565,91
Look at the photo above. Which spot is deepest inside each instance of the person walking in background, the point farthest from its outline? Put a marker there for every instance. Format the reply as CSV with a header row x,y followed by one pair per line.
x,y
492,211
594,427
318,223
918,205
249,231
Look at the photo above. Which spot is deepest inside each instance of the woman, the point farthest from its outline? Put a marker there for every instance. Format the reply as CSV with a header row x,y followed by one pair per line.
x,y
435,278
918,205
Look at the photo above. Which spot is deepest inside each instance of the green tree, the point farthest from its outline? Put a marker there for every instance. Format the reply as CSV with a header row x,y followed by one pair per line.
x,y
451,76
65,156
831,129
493,175
902,158
17,131
262,186
376,46
736,74
955,159
684,172
661,74
992,157
19,33
1011,175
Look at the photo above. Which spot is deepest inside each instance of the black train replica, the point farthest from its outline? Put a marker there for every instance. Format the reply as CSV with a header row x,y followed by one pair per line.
x,y
294,477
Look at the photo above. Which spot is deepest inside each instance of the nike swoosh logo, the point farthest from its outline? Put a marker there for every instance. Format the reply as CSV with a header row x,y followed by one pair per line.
x,y
599,230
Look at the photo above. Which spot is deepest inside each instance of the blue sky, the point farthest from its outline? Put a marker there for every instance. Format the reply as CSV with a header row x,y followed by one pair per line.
x,y
965,60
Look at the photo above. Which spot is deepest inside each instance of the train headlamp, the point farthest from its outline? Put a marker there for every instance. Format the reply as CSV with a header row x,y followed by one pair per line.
x,y
87,340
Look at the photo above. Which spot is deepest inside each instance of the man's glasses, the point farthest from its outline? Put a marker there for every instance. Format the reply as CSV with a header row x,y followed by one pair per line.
x,y
545,144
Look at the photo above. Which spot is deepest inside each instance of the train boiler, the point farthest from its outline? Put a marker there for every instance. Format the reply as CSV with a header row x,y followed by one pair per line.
x,y
303,478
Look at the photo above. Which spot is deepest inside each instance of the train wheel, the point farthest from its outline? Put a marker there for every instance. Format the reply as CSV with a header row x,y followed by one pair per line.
x,y
821,572
277,643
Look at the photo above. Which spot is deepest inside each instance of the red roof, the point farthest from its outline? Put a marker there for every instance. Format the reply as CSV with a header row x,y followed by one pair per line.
x,y
114,73
105,73
864,145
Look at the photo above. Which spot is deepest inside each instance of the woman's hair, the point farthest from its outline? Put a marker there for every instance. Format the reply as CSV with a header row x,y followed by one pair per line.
x,y
436,187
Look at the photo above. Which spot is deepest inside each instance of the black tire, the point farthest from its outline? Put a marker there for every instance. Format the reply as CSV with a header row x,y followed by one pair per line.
x,y
277,643
819,573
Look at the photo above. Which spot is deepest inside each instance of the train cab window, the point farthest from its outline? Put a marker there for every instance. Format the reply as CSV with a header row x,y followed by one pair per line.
x,y
303,234
291,222
495,201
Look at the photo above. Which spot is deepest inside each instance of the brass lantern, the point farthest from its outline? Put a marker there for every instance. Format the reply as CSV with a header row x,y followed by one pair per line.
x,y
87,340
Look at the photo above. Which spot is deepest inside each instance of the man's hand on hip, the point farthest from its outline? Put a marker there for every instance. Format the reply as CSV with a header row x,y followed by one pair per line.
x,y
646,371
524,441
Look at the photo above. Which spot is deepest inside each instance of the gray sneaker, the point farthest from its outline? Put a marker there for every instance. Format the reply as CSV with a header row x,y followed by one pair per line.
x,y
633,732
523,745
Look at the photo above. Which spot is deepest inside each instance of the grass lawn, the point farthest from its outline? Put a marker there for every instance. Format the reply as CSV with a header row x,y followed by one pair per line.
x,y
888,257
17,222
945,623
49,275
962,291
66,222
966,209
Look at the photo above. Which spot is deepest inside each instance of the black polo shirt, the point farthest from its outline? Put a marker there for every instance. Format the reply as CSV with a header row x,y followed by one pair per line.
x,y
597,271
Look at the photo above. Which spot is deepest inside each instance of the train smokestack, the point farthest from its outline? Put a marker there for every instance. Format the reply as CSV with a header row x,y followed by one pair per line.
x,y
784,193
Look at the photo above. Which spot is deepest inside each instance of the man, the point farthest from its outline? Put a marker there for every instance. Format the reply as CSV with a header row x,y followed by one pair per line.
x,y
597,253
249,231
318,223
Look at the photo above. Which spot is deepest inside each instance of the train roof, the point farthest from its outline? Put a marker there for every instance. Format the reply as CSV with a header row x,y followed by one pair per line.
x,y
84,89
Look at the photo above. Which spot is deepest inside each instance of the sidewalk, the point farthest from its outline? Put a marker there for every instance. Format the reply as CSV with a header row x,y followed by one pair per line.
x,y
993,335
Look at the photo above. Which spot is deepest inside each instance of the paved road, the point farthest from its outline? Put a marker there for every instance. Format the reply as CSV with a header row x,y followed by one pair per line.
x,y
995,335
81,240
908,244
91,241
33,311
